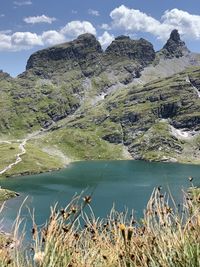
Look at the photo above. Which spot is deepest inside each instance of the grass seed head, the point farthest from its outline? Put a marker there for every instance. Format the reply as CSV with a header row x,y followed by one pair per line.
x,y
39,258
87,199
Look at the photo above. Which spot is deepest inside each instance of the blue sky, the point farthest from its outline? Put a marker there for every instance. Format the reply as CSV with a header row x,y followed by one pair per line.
x,y
29,25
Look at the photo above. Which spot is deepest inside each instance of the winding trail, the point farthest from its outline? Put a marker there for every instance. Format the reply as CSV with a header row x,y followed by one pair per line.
x,y
18,157
22,148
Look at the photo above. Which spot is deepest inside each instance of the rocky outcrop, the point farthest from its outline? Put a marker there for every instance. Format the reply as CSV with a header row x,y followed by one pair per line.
x,y
167,110
174,47
190,121
141,51
82,54
115,138
86,55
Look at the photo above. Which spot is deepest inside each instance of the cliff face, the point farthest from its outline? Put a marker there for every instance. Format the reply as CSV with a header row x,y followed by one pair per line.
x,y
174,47
138,50
82,54
78,87
86,55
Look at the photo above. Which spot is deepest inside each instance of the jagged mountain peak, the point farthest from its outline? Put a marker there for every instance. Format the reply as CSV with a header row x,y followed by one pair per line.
x,y
86,36
81,53
174,46
124,47
106,91
175,36
85,54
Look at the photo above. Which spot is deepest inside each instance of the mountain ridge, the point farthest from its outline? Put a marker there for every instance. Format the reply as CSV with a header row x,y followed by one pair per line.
x,y
87,102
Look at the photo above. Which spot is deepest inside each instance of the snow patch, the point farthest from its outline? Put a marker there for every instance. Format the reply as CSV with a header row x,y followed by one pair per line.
x,y
182,133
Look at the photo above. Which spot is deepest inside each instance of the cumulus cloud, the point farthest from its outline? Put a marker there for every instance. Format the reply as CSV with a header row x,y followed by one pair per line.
x,y
19,40
52,37
93,12
105,39
23,3
39,19
25,40
5,42
75,28
186,23
133,20
125,19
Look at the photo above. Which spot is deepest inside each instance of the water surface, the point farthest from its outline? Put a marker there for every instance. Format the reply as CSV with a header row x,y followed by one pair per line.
x,y
125,183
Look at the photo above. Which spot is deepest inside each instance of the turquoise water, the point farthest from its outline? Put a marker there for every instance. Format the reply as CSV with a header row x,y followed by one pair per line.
x,y
124,183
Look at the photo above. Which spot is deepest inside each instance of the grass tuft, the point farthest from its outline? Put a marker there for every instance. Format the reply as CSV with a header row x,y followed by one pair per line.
x,y
167,236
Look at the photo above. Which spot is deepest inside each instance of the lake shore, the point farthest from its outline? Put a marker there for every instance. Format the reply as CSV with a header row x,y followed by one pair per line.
x,y
36,172
6,194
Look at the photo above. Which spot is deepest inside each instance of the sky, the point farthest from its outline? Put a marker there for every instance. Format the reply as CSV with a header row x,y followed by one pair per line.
x,y
30,25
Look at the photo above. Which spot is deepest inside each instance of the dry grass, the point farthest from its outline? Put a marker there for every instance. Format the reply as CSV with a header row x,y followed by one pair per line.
x,y
73,237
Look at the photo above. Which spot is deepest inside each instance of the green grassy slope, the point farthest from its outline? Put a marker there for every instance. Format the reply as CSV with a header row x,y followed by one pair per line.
x,y
131,117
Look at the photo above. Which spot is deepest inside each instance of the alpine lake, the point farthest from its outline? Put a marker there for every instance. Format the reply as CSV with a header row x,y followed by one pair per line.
x,y
124,184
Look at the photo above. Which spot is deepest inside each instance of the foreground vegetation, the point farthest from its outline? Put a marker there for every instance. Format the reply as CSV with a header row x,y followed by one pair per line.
x,y
166,236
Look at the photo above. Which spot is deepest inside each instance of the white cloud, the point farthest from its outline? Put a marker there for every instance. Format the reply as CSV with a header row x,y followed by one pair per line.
x,y
25,40
39,19
2,15
23,3
19,41
93,12
75,28
187,24
132,21
105,27
52,37
129,21
5,42
105,39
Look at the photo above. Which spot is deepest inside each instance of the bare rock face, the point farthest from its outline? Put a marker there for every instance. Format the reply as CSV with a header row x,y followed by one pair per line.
x,y
86,55
82,54
124,57
140,50
174,47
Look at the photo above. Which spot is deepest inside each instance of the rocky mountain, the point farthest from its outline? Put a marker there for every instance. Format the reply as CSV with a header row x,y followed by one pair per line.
x,y
174,47
77,101
82,54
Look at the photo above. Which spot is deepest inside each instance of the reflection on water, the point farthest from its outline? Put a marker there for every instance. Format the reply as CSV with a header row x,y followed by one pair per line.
x,y
125,183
